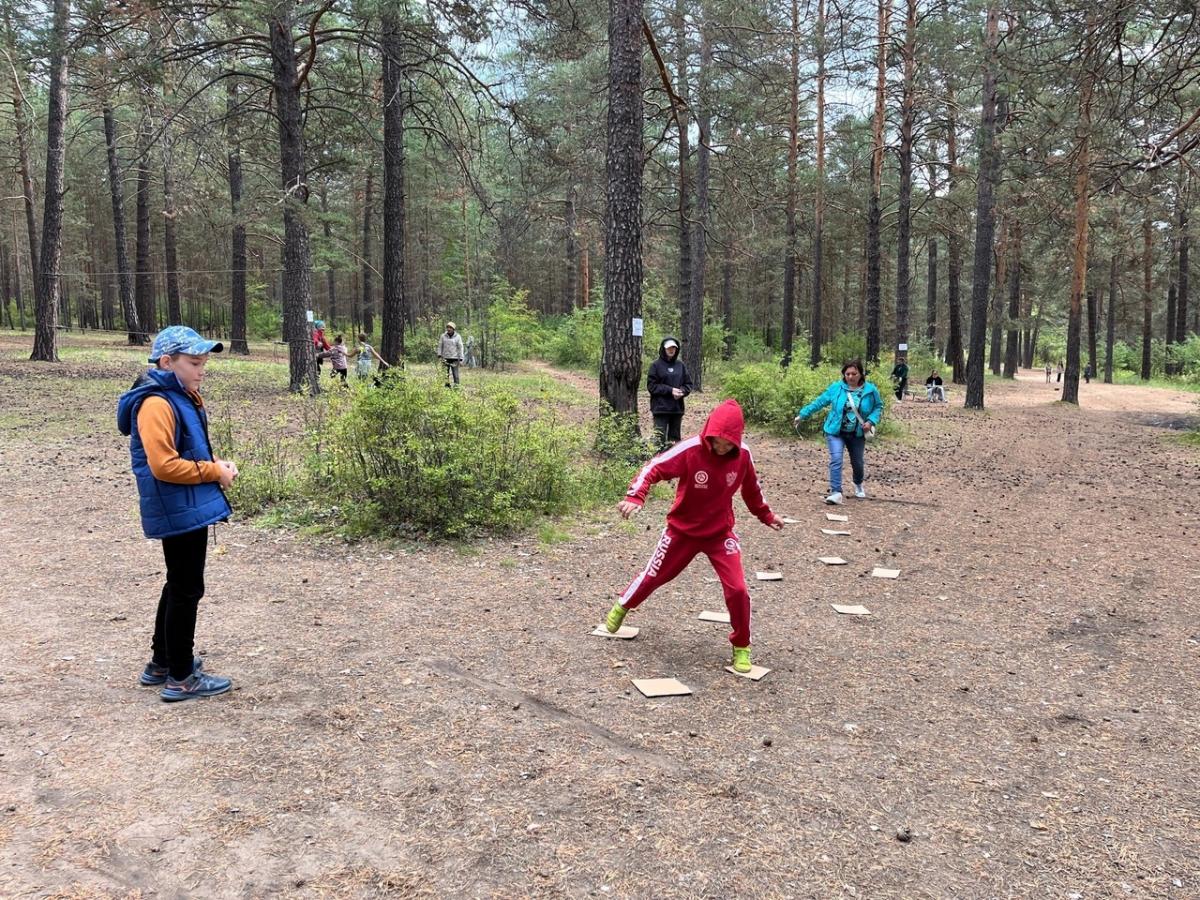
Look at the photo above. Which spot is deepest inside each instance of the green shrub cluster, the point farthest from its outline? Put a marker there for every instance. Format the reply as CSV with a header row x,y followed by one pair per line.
x,y
412,458
770,396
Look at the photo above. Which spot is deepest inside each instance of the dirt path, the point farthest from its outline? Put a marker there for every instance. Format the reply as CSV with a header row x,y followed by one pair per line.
x,y
414,722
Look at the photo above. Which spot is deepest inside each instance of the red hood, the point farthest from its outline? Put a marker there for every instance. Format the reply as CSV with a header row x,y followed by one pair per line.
x,y
725,421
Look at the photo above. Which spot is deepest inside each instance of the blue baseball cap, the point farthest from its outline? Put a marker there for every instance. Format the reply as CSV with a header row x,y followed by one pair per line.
x,y
181,339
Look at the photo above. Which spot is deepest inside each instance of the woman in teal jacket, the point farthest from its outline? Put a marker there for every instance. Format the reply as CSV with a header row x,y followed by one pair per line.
x,y
854,405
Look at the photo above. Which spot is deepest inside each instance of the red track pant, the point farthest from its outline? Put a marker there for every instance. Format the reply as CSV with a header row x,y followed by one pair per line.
x,y
672,555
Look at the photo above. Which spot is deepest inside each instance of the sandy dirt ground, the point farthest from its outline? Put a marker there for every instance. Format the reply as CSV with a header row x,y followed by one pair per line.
x,y
1018,717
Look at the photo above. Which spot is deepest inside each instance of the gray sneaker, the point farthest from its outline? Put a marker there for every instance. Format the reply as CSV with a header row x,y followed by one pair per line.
x,y
860,492
198,684
834,499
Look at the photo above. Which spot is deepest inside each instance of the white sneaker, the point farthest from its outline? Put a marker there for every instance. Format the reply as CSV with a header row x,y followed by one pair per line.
x,y
860,492
834,499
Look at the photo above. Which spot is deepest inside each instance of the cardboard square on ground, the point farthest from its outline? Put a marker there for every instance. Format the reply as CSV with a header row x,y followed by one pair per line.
x,y
756,673
769,576
837,517
835,532
788,520
879,572
625,632
709,615
850,610
832,560
661,687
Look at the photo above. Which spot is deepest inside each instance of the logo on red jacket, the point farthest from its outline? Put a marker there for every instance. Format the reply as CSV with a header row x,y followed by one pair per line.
x,y
732,547
701,478
730,478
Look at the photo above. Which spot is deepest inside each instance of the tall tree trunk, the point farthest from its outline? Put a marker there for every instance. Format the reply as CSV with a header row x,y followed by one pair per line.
x,y
984,219
1147,299
1083,131
1012,356
7,285
297,255
143,280
1031,342
695,338
170,243
874,211
621,356
1182,299
394,100
727,297
1093,314
1170,336
116,191
330,274
904,224
931,279
685,178
1110,337
814,358
954,344
1000,286
49,289
16,272
571,294
368,299
788,325
21,129
237,250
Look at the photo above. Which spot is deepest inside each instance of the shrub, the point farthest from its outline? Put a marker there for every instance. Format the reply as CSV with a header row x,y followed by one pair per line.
x,y
770,396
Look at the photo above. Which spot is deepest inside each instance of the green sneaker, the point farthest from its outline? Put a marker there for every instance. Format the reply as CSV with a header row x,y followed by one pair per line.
x,y
741,659
615,617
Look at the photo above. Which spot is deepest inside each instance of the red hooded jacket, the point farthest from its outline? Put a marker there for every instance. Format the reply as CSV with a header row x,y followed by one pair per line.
x,y
703,505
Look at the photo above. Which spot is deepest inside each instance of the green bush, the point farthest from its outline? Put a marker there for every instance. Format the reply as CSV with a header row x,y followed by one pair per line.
x,y
412,457
770,396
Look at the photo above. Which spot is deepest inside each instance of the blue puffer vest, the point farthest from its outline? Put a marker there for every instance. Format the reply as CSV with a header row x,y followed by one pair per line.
x,y
170,509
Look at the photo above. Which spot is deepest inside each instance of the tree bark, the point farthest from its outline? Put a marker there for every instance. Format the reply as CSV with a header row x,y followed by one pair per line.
x,y
1147,299
788,325
954,344
49,290
727,297
818,324
1012,348
1110,336
170,243
237,250
984,219
20,127
394,101
904,223
1093,313
1182,299
571,247
695,338
685,178
330,279
368,299
143,281
1070,391
873,206
117,193
621,356
297,255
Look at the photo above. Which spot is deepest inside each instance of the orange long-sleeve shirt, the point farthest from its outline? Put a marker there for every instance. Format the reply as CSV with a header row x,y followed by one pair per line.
x,y
156,427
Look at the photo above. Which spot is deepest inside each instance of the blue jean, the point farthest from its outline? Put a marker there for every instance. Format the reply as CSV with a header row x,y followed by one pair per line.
x,y
857,446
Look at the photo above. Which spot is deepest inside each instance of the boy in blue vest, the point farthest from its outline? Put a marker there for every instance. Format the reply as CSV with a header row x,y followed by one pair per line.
x,y
181,490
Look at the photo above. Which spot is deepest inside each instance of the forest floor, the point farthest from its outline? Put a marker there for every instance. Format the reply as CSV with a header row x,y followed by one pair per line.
x,y
1019,716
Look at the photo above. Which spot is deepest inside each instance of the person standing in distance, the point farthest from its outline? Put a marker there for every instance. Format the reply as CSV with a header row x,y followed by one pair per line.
x,y
855,408
450,352
668,383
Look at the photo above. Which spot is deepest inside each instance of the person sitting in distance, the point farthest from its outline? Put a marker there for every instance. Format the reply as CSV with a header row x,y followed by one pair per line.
x,y
933,387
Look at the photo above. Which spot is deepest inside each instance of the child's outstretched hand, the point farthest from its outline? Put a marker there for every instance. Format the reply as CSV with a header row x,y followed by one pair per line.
x,y
775,523
627,508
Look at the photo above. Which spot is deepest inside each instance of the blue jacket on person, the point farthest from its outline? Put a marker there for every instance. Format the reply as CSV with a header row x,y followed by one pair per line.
x,y
870,407
170,509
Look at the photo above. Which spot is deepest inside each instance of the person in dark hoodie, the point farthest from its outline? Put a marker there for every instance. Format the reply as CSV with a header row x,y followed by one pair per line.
x,y
711,467
668,383
181,486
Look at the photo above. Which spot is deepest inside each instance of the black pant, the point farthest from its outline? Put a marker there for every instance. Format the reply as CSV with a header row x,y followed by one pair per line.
x,y
175,623
667,426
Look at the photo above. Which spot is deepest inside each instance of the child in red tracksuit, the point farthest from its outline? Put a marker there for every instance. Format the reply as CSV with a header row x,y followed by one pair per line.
x,y
710,467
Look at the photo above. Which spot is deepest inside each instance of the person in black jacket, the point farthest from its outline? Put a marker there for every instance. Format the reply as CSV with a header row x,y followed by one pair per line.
x,y
668,383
